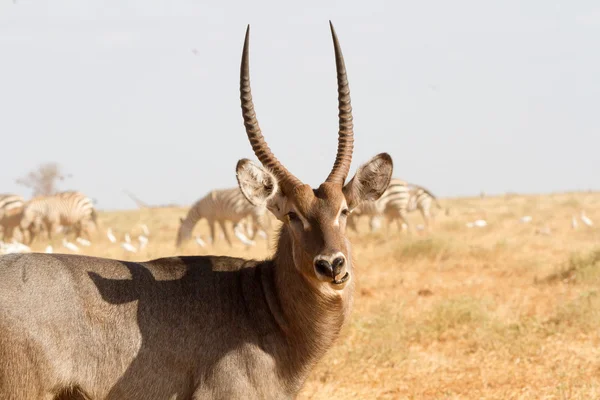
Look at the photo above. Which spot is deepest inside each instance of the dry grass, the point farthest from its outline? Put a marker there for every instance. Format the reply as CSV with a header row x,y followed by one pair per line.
x,y
499,312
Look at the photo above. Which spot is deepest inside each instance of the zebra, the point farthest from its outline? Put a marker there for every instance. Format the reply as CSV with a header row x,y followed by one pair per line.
x,y
64,210
11,212
420,199
397,193
219,206
399,199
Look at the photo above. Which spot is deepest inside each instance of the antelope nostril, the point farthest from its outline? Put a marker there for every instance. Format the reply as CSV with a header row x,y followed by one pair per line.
x,y
324,267
338,263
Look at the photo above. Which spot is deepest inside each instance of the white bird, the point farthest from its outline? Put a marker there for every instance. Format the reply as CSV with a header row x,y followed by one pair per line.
x,y
111,236
49,249
83,242
143,241
375,224
243,238
128,247
480,223
145,230
70,245
200,241
127,238
14,247
543,231
526,219
574,223
586,219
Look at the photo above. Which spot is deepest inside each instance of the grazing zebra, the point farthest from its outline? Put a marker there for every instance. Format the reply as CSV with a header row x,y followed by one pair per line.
x,y
396,193
399,199
220,206
421,199
11,212
66,210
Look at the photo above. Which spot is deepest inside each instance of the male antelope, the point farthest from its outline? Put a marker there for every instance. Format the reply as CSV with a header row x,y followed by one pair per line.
x,y
74,327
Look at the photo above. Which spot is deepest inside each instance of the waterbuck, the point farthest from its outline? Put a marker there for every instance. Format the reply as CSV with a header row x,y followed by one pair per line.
x,y
76,327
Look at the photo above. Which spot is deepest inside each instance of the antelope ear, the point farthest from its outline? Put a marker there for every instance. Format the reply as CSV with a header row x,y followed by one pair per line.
x,y
259,186
370,181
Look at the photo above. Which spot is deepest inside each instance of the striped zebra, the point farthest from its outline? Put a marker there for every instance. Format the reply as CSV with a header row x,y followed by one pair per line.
x,y
420,199
219,206
396,193
11,212
68,210
399,199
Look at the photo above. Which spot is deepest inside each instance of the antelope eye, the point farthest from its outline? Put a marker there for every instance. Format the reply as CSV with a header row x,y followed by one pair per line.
x,y
292,216
345,212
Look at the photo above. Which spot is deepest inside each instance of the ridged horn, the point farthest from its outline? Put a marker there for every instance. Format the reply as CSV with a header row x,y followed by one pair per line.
x,y
343,159
286,180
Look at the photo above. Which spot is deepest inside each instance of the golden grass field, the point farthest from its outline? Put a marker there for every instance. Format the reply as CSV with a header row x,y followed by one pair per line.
x,y
499,312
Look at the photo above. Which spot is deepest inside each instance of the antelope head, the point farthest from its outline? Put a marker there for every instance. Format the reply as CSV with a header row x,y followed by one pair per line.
x,y
314,219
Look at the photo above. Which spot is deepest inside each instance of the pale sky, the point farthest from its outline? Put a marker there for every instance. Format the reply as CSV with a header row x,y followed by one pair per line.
x,y
466,96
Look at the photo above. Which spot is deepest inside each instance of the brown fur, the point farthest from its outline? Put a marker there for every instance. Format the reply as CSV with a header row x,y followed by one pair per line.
x,y
174,328
76,327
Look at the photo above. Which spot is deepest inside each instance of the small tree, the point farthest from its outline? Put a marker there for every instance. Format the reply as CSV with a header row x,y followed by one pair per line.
x,y
43,181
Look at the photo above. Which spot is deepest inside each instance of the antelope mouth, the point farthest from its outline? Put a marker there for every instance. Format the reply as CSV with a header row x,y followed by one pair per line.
x,y
342,280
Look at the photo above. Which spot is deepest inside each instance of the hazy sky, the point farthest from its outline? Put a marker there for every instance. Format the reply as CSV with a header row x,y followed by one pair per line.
x,y
143,95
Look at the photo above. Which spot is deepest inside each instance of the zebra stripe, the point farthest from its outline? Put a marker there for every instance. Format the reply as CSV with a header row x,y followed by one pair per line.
x,y
11,212
399,199
420,199
69,209
397,193
219,206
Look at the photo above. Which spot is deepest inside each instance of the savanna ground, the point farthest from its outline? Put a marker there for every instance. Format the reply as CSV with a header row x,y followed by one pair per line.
x,y
499,312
